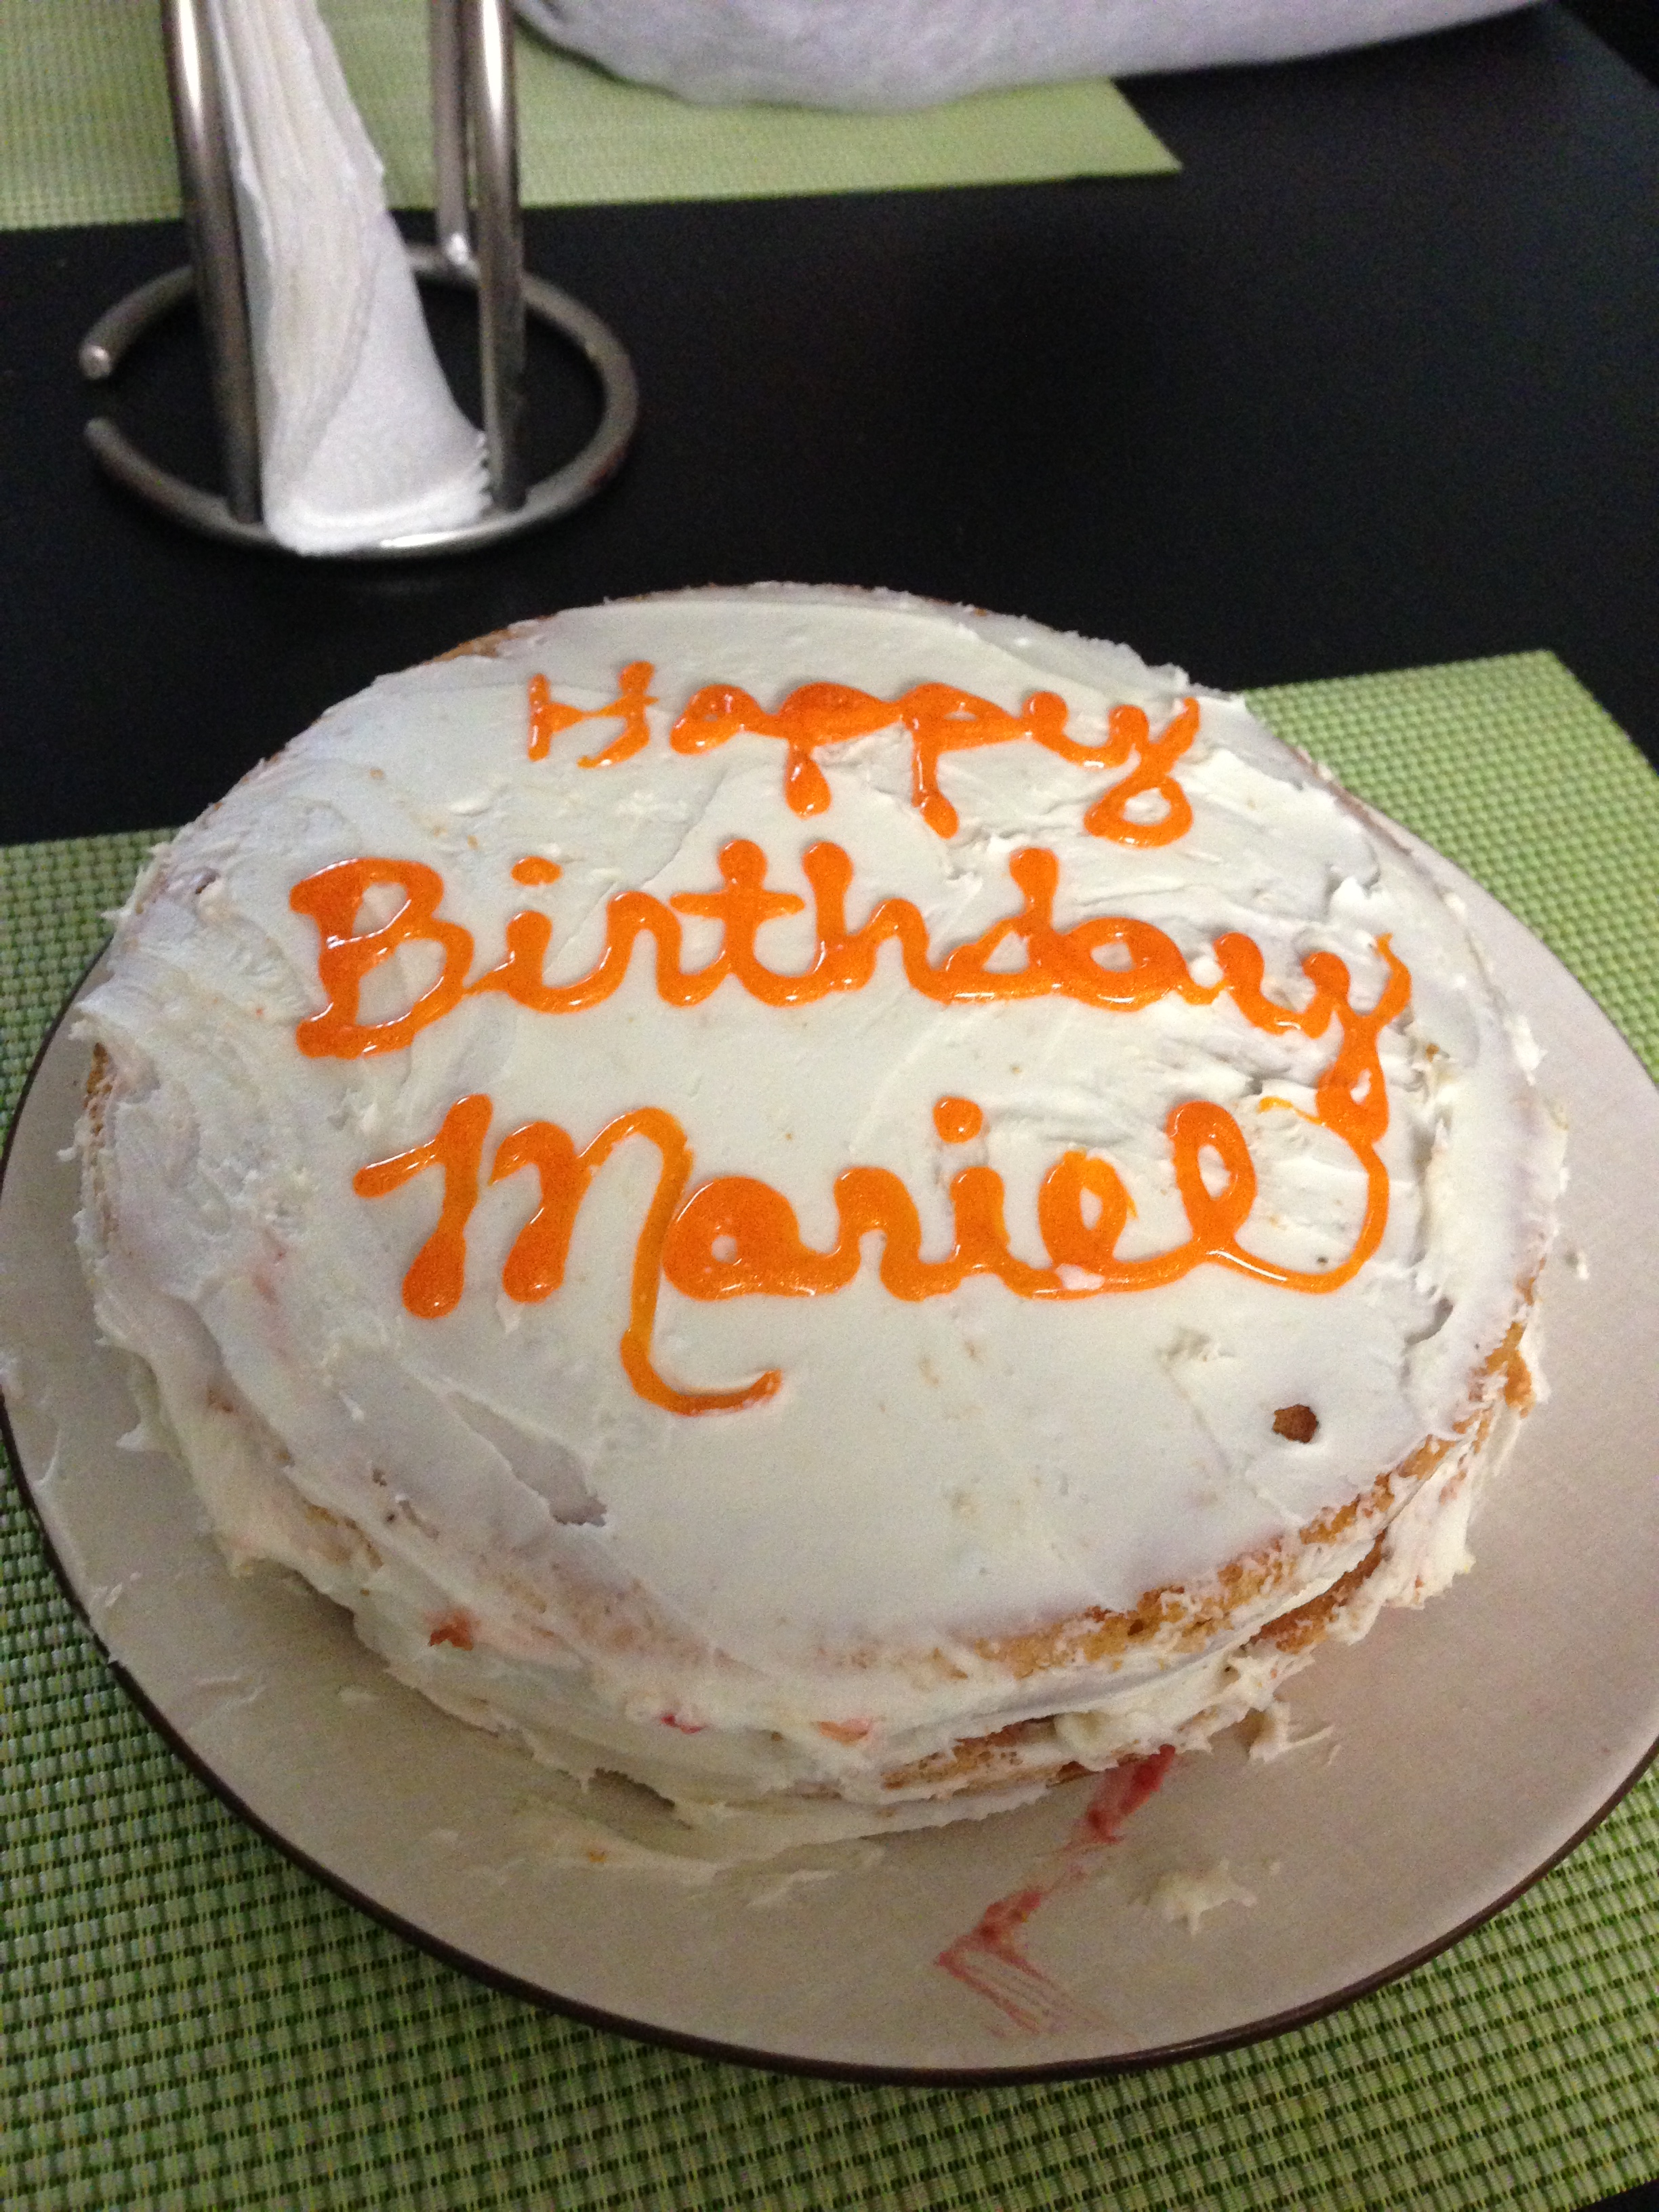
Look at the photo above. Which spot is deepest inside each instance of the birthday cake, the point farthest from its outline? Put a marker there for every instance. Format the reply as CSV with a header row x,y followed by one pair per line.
x,y
840,1207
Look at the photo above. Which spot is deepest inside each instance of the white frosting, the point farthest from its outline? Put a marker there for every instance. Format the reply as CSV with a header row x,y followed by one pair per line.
x,y
928,1477
1273,1739
1189,1896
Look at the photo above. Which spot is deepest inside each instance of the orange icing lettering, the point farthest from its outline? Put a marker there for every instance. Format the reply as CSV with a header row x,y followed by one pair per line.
x,y
816,714
332,898
1153,772
535,1266
1146,965
939,718
432,1286
548,717
735,1237
958,1119
534,869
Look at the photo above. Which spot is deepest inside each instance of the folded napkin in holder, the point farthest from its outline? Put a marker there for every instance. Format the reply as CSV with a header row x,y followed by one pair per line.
x,y
340,433
359,437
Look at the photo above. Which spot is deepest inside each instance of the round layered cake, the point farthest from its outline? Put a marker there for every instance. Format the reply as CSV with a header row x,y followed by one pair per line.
x,y
840,1207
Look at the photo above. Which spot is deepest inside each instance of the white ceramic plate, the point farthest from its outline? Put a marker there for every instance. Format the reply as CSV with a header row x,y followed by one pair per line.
x,y
1471,1744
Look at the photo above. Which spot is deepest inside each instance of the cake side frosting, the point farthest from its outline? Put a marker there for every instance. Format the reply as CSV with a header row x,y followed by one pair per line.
x,y
757,1232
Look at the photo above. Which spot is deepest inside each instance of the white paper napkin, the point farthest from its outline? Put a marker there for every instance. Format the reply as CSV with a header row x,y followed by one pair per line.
x,y
359,438
914,53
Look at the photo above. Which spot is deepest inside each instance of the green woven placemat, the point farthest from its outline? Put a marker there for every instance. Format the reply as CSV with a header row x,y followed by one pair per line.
x,y
190,2023
85,136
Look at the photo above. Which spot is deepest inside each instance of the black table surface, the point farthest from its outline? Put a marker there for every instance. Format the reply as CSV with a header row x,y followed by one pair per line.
x,y
1370,383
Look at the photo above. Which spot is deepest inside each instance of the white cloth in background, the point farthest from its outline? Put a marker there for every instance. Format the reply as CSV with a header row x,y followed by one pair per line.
x,y
359,437
914,53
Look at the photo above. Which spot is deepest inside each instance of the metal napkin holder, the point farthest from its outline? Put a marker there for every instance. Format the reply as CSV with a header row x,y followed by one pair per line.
x,y
480,248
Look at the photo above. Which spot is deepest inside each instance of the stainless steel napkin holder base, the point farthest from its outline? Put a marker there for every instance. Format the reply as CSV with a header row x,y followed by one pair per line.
x,y
480,249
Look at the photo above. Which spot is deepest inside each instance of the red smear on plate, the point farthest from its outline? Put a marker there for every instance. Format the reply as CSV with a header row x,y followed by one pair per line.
x,y
990,1959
